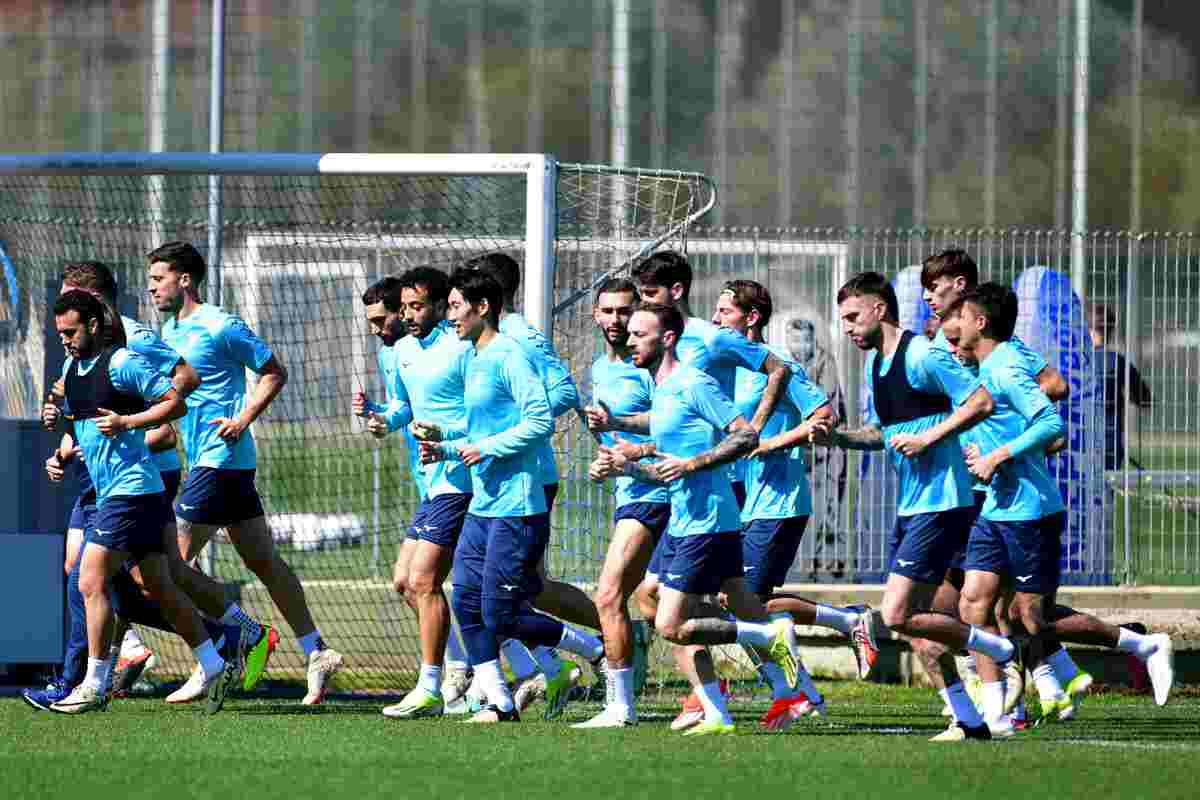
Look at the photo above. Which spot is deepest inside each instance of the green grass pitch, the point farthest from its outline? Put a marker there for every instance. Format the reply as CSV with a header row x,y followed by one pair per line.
x,y
872,744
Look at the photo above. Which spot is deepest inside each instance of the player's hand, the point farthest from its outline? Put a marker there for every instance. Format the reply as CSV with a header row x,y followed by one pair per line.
x,y
230,430
610,462
821,433
671,468
358,405
431,452
470,455
51,413
982,467
110,423
55,470
598,417
909,445
425,431
376,425
629,450
599,470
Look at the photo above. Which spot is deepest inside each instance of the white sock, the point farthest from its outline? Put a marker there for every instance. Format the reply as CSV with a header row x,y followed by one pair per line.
x,y
234,615
95,672
1131,642
993,700
311,642
520,660
713,702
961,706
581,643
493,685
456,654
430,678
773,674
1065,668
840,619
621,683
997,647
548,661
1047,685
210,660
756,634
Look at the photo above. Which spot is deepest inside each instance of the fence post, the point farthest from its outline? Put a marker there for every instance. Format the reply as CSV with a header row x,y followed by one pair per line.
x,y
1132,303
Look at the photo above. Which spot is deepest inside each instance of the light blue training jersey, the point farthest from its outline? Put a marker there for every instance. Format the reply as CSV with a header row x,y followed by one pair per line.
x,y
626,389
397,412
936,480
430,371
122,466
508,419
777,484
1022,489
560,386
142,340
688,416
719,352
219,346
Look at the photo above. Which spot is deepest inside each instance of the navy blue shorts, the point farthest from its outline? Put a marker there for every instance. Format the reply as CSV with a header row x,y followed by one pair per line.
x,y
769,547
551,490
654,567
214,496
440,519
701,563
739,492
1028,551
132,523
171,479
498,556
83,511
960,557
655,516
922,546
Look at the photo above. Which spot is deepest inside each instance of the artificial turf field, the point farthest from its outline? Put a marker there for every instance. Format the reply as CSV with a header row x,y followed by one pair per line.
x,y
872,744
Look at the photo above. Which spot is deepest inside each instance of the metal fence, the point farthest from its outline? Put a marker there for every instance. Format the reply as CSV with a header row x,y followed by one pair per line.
x,y
1131,474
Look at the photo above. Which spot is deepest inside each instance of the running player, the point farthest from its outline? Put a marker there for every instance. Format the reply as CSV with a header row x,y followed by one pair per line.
x,y
915,387
220,491
778,500
108,388
643,510
696,430
425,382
506,529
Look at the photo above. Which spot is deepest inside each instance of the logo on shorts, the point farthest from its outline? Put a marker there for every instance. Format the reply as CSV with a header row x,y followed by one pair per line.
x,y
747,569
904,563
1023,578
673,577
186,507
103,533
508,587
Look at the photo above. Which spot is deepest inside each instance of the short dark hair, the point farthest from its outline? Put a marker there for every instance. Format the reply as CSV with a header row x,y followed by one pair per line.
x,y
475,286
873,284
435,282
996,302
89,307
503,268
951,263
615,285
669,317
664,268
92,276
751,295
181,257
386,290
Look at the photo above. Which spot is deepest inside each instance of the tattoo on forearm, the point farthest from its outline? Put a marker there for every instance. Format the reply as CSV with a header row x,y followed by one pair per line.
x,y
776,381
634,423
735,445
867,437
644,473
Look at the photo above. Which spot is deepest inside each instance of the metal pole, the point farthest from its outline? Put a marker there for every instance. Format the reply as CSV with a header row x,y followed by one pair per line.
x,y
1135,124
1060,115
157,112
991,135
535,119
476,84
920,175
853,112
658,83
1132,322
364,31
1079,191
420,48
619,143
216,125
787,114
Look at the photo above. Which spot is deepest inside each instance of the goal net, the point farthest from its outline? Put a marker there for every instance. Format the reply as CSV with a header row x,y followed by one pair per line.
x,y
301,237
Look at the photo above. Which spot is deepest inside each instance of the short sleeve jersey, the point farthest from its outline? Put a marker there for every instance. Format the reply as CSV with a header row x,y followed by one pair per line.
x,y
220,347
625,390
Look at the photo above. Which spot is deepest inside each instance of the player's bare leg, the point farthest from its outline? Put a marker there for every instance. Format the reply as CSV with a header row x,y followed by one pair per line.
x,y
428,565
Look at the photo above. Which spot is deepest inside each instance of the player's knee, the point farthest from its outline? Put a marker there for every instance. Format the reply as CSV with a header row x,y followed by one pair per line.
x,y
608,596
91,583
894,612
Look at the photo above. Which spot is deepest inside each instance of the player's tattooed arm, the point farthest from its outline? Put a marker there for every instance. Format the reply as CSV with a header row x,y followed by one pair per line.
x,y
868,437
600,419
740,440
778,374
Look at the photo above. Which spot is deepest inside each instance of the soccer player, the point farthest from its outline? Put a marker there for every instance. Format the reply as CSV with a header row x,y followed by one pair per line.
x,y
915,386
506,529
424,374
220,491
778,501
643,510
696,430
554,677
108,388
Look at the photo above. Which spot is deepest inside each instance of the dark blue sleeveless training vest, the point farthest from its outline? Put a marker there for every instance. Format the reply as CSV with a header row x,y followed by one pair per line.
x,y
86,393
895,398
